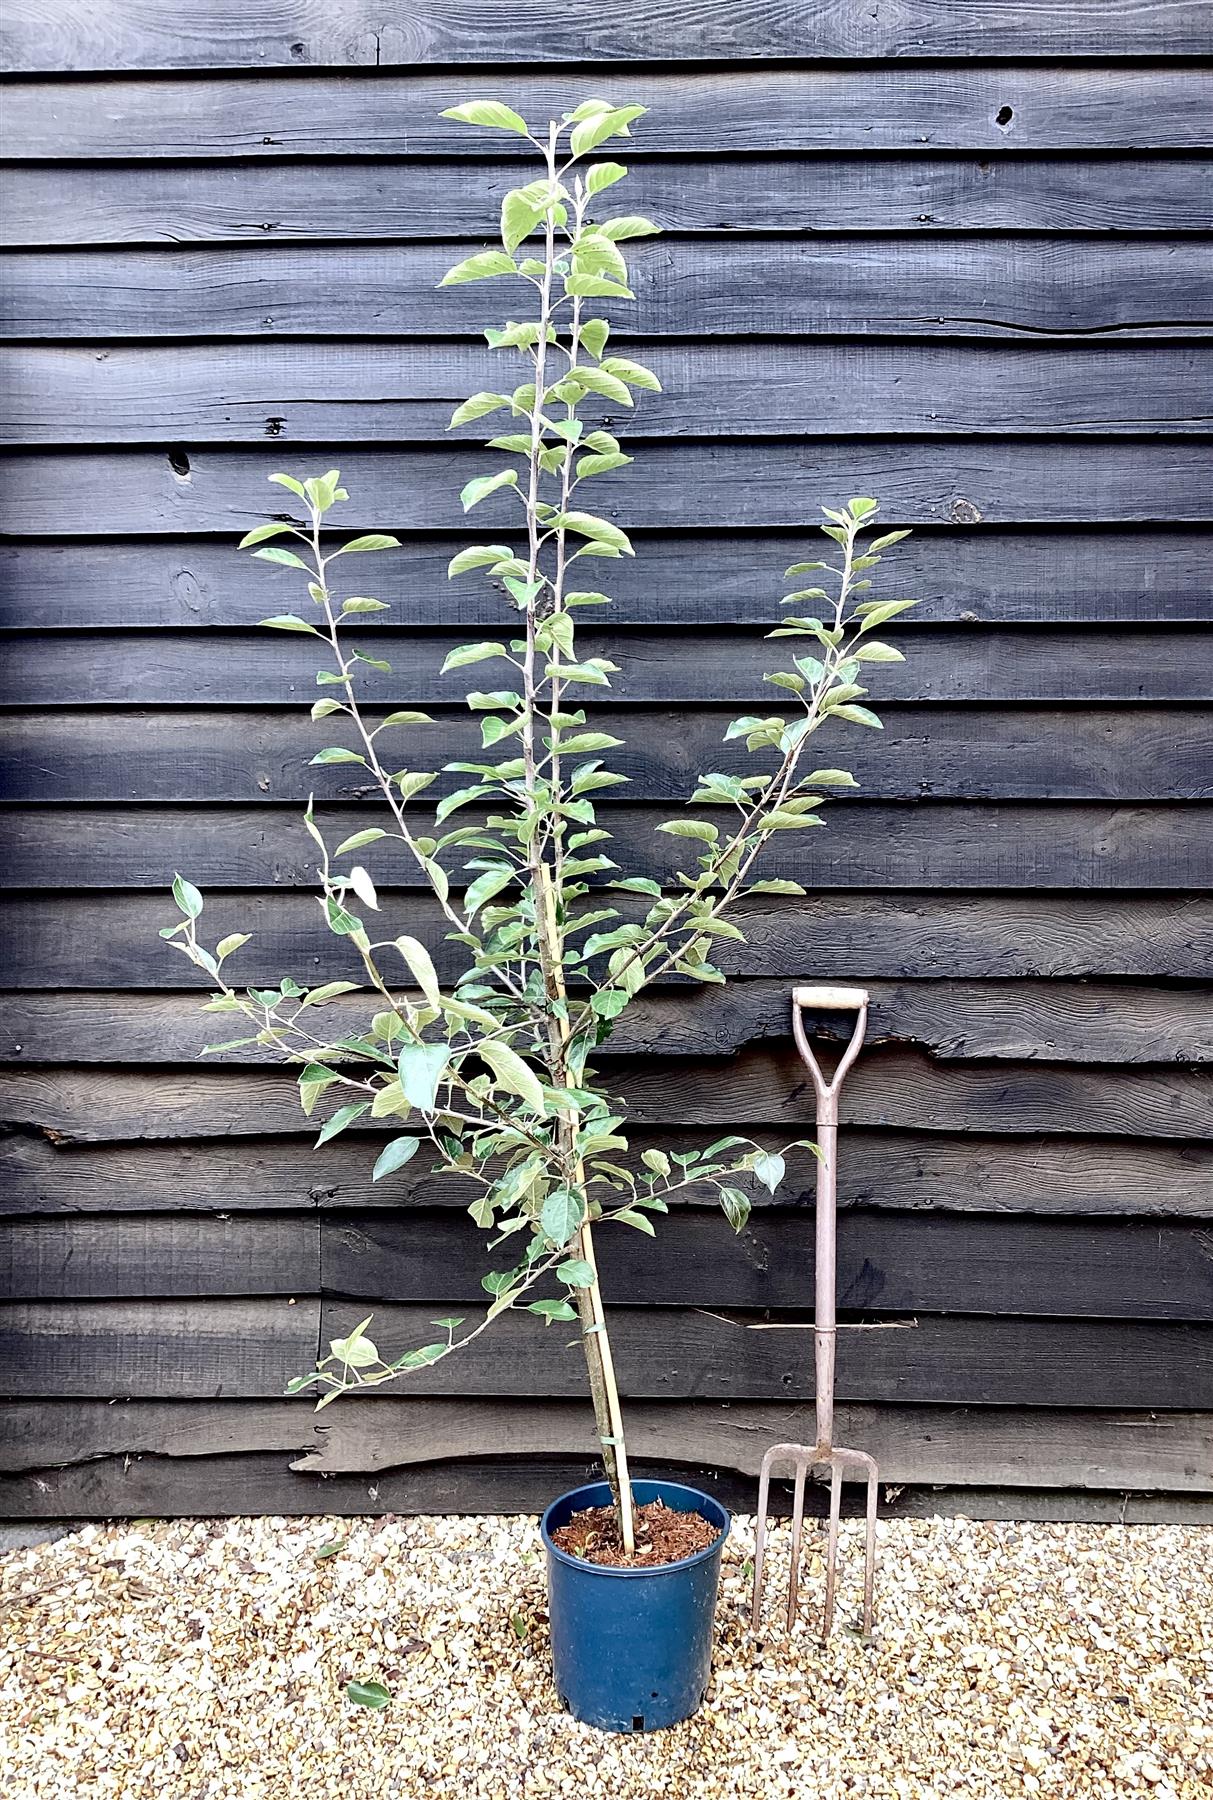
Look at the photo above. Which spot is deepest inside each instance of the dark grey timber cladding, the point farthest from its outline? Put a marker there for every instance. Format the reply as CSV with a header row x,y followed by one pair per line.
x,y
957,255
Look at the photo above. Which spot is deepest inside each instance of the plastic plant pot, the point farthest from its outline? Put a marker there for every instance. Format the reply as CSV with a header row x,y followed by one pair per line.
x,y
632,1648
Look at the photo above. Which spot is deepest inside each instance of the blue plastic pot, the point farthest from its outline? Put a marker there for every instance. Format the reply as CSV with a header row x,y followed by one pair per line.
x,y
632,1648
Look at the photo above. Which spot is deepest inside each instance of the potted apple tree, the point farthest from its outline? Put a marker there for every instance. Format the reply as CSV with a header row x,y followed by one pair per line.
x,y
493,1076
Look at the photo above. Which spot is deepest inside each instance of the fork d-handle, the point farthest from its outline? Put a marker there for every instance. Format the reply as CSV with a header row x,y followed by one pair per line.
x,y
825,1330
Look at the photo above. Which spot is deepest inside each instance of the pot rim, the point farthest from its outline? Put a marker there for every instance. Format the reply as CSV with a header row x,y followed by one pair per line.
x,y
637,1574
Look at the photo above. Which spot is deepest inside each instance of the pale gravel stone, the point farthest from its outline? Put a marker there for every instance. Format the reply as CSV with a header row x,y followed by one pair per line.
x,y
199,1660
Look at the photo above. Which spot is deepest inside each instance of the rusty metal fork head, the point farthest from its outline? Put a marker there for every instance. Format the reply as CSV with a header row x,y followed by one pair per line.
x,y
802,1460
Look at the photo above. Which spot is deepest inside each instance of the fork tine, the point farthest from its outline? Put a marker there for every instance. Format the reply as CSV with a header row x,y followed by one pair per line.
x,y
760,1537
832,1548
797,1524
869,1555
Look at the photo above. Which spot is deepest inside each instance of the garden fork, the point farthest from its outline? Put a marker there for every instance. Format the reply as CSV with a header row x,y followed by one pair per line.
x,y
802,1457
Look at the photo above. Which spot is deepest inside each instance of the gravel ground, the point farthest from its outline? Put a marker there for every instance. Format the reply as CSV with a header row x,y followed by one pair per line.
x,y
197,1660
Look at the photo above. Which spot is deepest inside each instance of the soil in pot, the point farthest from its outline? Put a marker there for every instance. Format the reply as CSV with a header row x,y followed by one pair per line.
x,y
662,1536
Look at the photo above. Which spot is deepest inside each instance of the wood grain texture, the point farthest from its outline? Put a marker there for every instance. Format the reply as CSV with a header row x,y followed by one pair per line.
x,y
898,1089
738,110
941,752
209,34
251,1485
1051,1021
1167,1452
1046,1175
1063,576
876,844
943,664
690,485
941,285
86,203
888,1263
334,393
101,940
209,1349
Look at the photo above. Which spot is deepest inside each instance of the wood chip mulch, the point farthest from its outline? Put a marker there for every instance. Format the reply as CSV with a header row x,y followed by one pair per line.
x,y
196,1660
662,1536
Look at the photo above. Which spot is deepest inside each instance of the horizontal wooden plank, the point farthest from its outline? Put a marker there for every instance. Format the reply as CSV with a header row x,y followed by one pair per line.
x,y
1048,1176
966,480
899,1089
182,202
1168,1452
1054,1021
873,844
169,34
1017,664
162,1255
911,1443
211,1349
1072,576
199,1349
331,393
887,1263
111,941
143,1487
934,286
959,106
941,752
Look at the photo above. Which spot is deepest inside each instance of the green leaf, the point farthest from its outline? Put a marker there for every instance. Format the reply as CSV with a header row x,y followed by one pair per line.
x,y
603,175
290,622
513,1073
636,1220
393,1156
633,372
601,465
858,715
286,557
359,840
339,920
598,381
657,1160
589,133
288,481
471,653
421,966
345,1115
478,556
628,225
594,334
831,778
736,1207
334,1548
769,1169
323,709
477,408
876,652
521,211
360,603
368,1693
331,990
598,530
575,1273
372,540
493,114
259,533
226,945
775,887
355,1350
562,1214
691,828
335,753
481,267
408,717
421,1068
187,897
484,888
473,492
552,1310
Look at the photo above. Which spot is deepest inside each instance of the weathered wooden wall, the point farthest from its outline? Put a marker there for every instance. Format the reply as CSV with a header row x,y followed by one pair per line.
x,y
956,255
